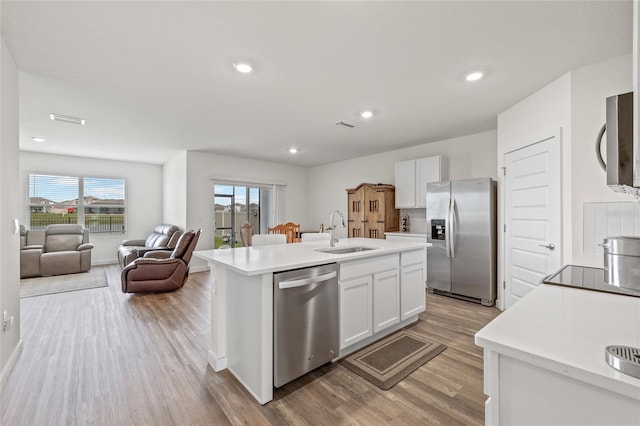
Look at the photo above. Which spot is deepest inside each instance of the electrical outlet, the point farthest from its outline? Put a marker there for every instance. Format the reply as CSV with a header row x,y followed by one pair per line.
x,y
7,321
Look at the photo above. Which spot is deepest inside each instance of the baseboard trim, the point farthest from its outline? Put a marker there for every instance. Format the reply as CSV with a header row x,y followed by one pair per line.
x,y
218,364
200,268
105,262
11,362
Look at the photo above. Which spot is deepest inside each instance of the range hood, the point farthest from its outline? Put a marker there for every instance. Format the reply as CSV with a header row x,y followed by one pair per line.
x,y
620,155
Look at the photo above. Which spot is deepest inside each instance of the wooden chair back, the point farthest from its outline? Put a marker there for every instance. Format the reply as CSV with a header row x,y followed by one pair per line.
x,y
246,232
290,229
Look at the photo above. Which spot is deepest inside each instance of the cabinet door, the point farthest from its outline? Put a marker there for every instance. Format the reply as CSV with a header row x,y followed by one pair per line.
x,y
412,293
386,299
355,310
374,230
406,184
356,213
430,169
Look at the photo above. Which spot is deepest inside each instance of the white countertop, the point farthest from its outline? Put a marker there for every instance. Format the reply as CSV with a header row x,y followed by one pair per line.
x,y
566,330
282,257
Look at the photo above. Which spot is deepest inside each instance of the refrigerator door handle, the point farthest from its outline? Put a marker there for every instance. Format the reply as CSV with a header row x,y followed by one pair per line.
x,y
447,230
452,227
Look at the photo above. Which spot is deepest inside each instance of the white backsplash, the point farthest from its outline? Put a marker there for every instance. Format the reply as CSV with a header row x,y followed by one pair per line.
x,y
602,220
417,219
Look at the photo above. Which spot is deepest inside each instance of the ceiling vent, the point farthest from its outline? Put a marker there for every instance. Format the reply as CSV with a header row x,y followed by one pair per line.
x,y
345,124
67,119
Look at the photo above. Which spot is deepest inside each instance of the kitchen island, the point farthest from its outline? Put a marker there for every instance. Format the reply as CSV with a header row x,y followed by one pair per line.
x,y
544,359
242,299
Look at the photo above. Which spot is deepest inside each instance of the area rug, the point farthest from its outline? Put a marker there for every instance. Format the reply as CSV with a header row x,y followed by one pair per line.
x,y
393,358
38,286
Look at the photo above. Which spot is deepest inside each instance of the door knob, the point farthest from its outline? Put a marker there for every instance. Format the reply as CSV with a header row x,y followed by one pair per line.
x,y
550,246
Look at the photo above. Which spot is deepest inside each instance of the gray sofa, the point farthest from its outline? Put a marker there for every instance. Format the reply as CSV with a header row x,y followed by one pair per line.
x,y
56,250
163,237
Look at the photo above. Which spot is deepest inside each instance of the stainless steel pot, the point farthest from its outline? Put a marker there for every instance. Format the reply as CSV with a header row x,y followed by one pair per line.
x,y
622,261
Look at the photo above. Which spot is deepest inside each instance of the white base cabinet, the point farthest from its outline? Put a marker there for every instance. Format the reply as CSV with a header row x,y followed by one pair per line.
x,y
412,290
386,299
356,297
378,294
413,275
522,393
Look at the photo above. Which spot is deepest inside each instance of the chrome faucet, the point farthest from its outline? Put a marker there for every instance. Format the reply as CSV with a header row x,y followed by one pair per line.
x,y
332,227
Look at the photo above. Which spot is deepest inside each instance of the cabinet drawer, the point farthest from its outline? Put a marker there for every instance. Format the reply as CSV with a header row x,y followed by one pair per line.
x,y
413,257
368,266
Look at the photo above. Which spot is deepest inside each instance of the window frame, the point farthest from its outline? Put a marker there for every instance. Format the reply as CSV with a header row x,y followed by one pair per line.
x,y
233,199
81,205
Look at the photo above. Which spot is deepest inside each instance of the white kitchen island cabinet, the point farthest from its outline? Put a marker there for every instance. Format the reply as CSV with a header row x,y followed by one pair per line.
x,y
386,299
544,359
356,303
412,290
242,300
369,298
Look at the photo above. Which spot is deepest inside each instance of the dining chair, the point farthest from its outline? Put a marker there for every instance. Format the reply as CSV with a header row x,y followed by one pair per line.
x,y
246,232
315,236
293,232
290,229
268,239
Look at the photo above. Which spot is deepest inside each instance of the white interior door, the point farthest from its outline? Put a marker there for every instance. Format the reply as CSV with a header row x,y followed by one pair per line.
x,y
533,216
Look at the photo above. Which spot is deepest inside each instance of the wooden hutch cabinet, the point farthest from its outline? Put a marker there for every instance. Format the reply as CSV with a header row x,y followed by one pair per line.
x,y
372,210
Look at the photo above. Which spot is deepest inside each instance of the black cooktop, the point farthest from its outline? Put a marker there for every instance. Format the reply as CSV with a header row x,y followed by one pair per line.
x,y
587,278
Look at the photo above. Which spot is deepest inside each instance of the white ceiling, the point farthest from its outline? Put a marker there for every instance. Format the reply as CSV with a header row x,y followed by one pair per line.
x,y
155,78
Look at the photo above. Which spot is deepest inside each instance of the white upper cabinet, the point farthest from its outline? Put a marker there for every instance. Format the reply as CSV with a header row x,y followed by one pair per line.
x,y
405,184
412,177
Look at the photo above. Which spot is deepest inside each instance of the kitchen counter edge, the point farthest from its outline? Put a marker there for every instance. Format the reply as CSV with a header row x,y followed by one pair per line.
x,y
277,258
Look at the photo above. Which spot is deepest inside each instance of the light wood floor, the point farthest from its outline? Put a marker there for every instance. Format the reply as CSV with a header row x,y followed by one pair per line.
x,y
105,358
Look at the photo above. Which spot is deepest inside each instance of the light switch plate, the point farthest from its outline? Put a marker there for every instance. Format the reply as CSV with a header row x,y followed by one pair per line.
x,y
16,226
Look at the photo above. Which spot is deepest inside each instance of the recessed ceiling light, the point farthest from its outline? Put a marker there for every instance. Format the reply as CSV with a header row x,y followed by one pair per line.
x,y
67,119
474,76
243,67
366,114
37,139
293,150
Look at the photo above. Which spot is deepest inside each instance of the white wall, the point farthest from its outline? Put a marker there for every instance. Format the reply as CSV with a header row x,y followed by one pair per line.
x,y
537,117
143,191
10,342
174,191
469,156
590,86
202,168
576,103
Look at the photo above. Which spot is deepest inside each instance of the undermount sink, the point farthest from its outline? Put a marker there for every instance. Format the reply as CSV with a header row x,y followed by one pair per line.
x,y
343,250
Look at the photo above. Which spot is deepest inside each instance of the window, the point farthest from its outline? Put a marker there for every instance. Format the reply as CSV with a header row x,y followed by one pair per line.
x,y
96,203
234,206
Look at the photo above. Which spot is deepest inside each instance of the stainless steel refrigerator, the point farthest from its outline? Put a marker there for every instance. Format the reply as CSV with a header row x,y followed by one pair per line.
x,y
461,225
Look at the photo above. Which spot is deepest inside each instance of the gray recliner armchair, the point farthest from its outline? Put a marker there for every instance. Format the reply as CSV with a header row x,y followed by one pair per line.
x,y
59,249
163,237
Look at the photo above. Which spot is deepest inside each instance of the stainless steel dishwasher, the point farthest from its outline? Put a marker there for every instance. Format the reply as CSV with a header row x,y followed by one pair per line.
x,y
305,321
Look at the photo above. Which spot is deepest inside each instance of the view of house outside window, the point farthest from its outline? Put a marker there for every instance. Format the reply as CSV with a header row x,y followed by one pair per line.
x,y
96,203
234,206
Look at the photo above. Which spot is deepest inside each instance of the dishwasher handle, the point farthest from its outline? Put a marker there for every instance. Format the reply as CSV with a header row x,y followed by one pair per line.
x,y
306,281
